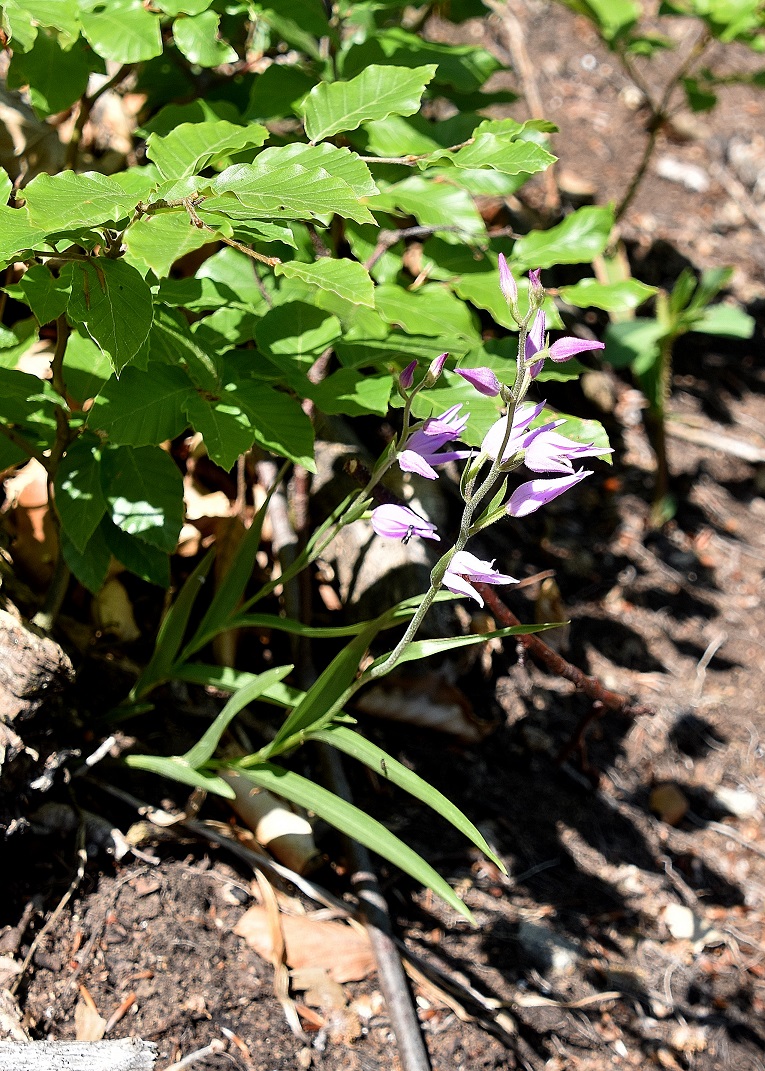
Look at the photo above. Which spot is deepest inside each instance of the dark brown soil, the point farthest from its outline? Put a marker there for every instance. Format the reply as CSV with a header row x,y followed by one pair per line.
x,y
561,790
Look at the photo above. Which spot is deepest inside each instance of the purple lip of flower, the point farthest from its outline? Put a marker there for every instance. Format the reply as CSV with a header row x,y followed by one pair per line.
x,y
530,496
465,567
483,379
535,340
420,449
523,416
400,522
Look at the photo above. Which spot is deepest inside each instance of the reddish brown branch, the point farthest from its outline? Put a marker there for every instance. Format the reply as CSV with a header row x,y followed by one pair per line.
x,y
539,650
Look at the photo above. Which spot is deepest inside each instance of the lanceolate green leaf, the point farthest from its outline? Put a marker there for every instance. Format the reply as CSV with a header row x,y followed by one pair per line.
x,y
177,770
114,304
172,630
354,823
327,695
420,649
204,750
376,93
384,765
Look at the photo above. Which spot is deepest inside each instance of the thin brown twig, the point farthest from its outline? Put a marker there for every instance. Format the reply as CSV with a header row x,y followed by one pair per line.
x,y
538,649
253,253
387,239
86,107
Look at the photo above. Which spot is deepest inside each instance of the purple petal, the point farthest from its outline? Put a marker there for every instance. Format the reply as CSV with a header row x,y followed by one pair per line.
x,y
507,283
535,280
566,348
530,496
411,461
483,379
407,376
400,522
460,586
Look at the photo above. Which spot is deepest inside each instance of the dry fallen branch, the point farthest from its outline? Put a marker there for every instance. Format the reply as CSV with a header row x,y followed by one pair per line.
x,y
126,1054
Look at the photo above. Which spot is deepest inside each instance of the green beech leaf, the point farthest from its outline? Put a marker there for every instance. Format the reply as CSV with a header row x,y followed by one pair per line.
x,y
197,38
91,564
85,367
384,765
177,770
46,295
60,15
144,493
18,233
190,147
143,408
56,77
578,429
376,93
503,154
278,422
465,67
140,557
346,278
121,30
431,310
351,393
184,7
611,297
354,823
159,239
70,201
296,329
205,748
581,237
80,501
28,402
434,205
224,424
339,162
286,191
114,304
277,92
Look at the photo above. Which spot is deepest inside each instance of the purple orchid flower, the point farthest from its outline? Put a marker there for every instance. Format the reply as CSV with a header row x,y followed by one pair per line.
x,y
523,416
551,452
419,454
400,522
562,350
530,496
483,379
465,567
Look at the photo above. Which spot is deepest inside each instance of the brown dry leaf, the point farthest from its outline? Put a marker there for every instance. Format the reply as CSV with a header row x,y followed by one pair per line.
x,y
88,1024
343,951
35,545
426,700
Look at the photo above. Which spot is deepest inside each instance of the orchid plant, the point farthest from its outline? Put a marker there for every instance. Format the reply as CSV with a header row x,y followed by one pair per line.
x,y
521,436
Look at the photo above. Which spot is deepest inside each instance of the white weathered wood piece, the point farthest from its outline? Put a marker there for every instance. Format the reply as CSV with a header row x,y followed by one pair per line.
x,y
125,1054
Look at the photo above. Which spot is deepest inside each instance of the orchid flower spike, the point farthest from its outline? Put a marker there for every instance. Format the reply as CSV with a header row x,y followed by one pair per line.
x,y
400,522
530,496
435,370
406,378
